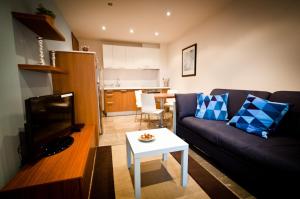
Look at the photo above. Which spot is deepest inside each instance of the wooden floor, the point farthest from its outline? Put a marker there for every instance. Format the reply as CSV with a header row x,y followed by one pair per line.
x,y
167,184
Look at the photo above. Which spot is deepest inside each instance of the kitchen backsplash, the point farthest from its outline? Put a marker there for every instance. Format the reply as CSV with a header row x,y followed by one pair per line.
x,y
131,78
131,83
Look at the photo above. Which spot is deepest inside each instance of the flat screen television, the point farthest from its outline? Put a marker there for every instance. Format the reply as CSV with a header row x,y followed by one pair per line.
x,y
49,122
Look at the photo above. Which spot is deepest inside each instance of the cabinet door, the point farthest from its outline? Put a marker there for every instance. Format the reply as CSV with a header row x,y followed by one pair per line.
x,y
128,100
131,57
150,58
119,57
155,58
113,101
146,57
107,55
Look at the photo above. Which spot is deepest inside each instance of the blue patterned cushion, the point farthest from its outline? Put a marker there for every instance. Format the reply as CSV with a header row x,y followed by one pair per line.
x,y
259,116
212,107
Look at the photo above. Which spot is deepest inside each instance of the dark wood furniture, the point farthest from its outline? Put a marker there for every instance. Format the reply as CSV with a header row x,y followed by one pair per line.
x,y
41,68
65,175
42,25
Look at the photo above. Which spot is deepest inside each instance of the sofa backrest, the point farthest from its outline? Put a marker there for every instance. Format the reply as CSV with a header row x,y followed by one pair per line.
x,y
186,105
236,98
291,122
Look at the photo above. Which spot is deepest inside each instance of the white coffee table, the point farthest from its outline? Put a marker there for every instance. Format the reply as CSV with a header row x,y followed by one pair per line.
x,y
164,143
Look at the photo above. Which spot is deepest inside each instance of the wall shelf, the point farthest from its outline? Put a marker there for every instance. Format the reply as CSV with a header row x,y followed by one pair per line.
x,y
40,24
41,68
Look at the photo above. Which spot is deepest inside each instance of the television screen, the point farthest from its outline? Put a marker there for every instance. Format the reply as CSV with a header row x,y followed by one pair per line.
x,y
49,120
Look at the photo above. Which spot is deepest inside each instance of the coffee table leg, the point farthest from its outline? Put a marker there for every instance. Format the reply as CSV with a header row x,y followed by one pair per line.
x,y
161,125
165,156
128,150
184,167
137,177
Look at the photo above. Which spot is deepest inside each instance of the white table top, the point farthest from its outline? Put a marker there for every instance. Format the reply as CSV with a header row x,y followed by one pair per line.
x,y
165,141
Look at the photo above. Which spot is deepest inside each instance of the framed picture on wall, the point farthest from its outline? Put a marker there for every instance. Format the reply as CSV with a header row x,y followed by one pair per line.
x,y
189,57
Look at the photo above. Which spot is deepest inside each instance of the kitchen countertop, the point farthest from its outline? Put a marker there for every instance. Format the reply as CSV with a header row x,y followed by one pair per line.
x,y
135,88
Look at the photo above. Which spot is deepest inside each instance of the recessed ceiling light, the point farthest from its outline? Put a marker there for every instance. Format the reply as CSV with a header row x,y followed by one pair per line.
x,y
103,28
131,30
156,33
168,13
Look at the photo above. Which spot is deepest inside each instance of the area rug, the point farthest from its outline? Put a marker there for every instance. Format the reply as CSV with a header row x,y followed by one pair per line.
x,y
103,185
213,187
103,178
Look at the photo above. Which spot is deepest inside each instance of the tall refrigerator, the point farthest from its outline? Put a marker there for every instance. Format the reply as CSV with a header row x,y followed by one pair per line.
x,y
82,76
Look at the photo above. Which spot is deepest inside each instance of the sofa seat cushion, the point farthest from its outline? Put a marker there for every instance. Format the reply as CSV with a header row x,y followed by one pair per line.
x,y
277,152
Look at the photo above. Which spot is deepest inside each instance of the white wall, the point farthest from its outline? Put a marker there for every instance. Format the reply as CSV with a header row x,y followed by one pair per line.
x,y
248,45
18,45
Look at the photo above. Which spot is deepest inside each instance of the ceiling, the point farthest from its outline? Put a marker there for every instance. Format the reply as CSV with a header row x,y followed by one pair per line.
x,y
86,17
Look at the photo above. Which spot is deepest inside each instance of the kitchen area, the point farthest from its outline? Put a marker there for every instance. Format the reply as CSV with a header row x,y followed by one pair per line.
x,y
126,69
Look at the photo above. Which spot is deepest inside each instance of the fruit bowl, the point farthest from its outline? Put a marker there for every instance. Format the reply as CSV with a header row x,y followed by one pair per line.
x,y
146,137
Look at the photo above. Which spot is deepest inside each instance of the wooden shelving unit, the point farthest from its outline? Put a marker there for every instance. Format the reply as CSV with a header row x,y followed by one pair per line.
x,y
41,68
40,24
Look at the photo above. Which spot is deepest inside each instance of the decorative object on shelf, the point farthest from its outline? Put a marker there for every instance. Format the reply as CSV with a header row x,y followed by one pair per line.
x,y
85,47
52,59
166,82
41,10
41,50
117,82
189,56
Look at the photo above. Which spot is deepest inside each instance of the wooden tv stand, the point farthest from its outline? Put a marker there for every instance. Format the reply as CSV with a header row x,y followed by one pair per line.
x,y
67,174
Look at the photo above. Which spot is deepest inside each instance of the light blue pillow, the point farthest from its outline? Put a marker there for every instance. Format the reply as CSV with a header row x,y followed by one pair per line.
x,y
259,116
212,107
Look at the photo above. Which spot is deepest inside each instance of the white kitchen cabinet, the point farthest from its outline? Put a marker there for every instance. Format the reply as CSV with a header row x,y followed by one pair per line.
x,y
133,57
119,57
129,57
151,58
107,56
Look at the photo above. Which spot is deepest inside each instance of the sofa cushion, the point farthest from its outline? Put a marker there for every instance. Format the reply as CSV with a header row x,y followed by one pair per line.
x,y
186,105
279,152
212,107
259,116
237,97
290,124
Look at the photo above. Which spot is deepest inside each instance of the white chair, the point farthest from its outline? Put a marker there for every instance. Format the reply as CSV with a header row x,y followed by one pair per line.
x,y
170,101
138,101
149,107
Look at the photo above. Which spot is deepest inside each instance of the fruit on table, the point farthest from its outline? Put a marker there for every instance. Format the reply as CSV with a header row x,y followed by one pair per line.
x,y
147,136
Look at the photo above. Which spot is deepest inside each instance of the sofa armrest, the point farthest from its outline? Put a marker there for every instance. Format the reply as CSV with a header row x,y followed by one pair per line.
x,y
186,105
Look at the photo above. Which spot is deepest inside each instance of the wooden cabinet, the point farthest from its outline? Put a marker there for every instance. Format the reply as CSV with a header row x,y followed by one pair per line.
x,y
67,174
116,101
119,101
81,79
129,57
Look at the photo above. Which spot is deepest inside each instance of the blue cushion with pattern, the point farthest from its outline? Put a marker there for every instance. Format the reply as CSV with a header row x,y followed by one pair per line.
x,y
259,116
212,107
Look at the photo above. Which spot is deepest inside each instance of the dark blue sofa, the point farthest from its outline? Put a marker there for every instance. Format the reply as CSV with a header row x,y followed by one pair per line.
x,y
265,167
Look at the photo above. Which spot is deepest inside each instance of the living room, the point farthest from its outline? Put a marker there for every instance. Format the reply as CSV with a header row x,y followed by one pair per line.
x,y
239,48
